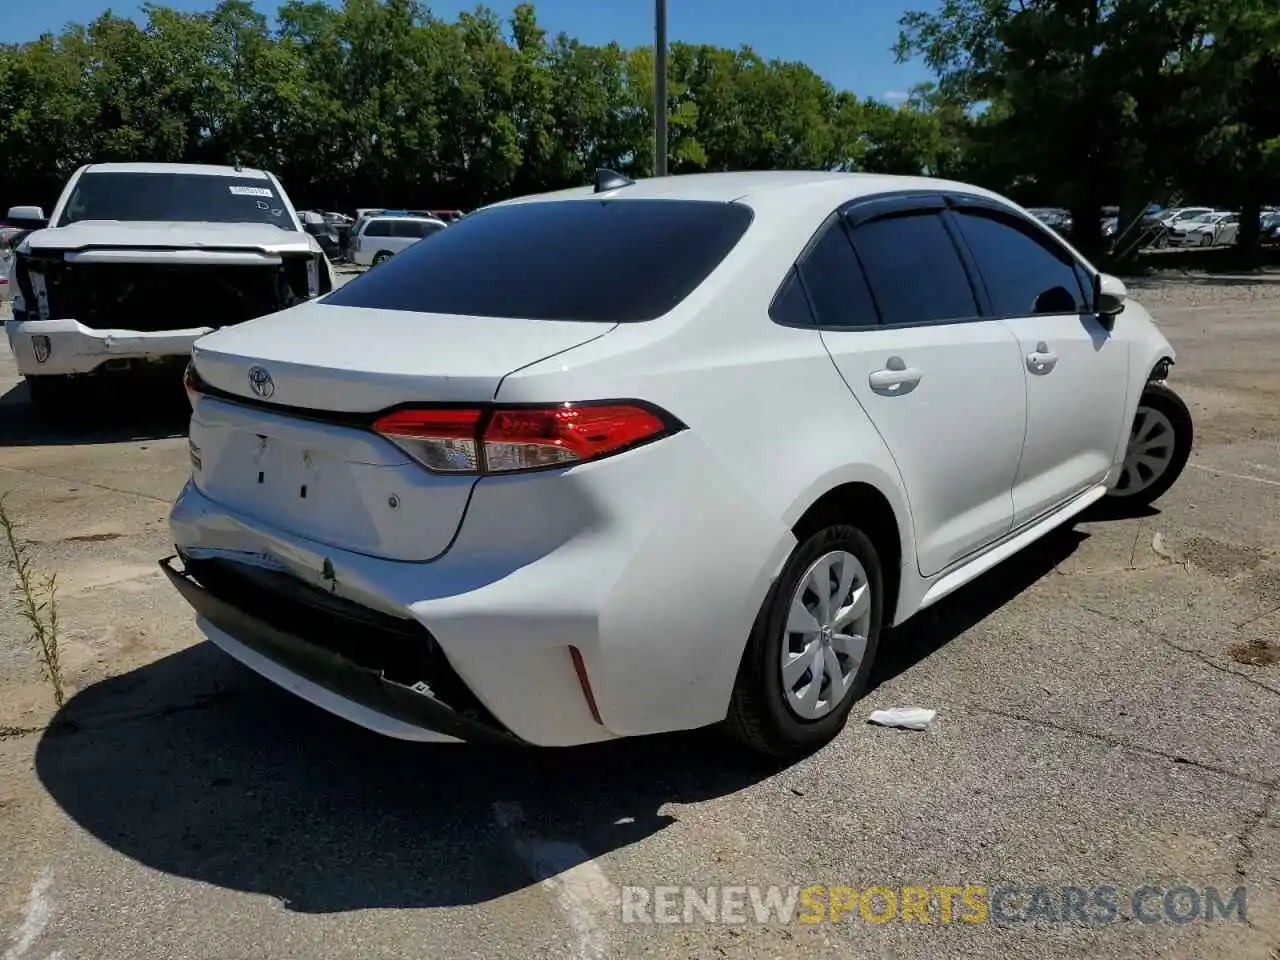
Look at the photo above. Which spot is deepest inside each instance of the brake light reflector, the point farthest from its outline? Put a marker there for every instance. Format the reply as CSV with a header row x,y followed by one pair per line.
x,y
474,440
443,440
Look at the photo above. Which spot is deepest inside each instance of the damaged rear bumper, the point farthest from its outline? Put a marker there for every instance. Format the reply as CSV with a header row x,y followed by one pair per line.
x,y
376,671
69,347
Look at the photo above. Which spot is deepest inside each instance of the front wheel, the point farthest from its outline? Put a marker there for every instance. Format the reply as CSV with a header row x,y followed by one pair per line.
x,y
812,647
1159,447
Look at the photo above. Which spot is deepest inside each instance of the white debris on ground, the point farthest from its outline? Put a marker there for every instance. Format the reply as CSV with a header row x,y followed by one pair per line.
x,y
904,718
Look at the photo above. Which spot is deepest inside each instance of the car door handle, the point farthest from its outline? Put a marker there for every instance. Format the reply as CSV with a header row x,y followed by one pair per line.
x,y
895,380
1042,359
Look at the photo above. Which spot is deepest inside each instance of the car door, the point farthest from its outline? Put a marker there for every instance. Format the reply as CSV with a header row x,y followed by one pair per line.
x,y
1227,228
943,386
376,238
1075,371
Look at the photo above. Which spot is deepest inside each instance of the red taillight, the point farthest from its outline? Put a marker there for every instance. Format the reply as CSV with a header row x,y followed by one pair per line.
x,y
192,383
472,440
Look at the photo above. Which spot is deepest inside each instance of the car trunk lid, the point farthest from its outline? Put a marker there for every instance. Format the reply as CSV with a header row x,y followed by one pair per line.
x,y
290,444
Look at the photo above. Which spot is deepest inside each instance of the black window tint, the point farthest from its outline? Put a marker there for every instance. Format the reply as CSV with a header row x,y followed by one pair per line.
x,y
1022,273
835,282
791,306
914,270
606,261
415,228
378,228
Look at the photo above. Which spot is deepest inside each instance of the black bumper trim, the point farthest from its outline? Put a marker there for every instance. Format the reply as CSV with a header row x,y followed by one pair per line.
x,y
338,674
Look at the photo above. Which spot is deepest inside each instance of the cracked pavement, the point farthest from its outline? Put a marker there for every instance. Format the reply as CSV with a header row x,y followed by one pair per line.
x,y
1094,728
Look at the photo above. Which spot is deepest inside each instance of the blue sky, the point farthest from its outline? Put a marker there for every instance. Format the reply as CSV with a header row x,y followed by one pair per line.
x,y
847,41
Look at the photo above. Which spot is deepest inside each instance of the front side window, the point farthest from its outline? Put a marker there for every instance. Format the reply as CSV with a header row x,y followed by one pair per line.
x,y
1023,274
604,261
175,197
914,270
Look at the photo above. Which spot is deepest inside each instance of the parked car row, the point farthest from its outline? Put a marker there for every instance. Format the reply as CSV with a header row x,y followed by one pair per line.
x,y
1162,227
373,234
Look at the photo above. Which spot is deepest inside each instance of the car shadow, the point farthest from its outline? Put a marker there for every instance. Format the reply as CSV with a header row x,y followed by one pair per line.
x,y
194,766
108,414
936,626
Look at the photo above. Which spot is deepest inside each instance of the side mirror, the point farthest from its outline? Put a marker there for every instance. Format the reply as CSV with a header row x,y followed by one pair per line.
x,y
1109,294
28,218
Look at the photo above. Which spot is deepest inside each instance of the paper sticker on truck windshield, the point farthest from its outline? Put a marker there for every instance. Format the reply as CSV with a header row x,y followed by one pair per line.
x,y
251,192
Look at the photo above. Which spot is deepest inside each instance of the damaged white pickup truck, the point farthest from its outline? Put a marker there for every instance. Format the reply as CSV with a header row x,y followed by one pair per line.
x,y
140,260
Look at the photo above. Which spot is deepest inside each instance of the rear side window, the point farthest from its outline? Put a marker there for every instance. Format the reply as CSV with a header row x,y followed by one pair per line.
x,y
836,284
378,228
791,307
913,269
1025,273
603,261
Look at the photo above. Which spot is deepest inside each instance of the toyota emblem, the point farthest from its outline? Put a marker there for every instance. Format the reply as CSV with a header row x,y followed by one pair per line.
x,y
261,383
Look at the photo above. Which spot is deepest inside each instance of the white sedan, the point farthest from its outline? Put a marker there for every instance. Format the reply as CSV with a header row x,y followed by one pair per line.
x,y
1205,230
657,455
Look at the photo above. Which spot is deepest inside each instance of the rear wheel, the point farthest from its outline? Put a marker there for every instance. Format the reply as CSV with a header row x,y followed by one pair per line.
x,y
1159,447
381,257
812,647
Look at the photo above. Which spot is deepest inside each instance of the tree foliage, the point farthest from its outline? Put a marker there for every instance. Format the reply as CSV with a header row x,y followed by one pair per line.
x,y
1085,102
378,102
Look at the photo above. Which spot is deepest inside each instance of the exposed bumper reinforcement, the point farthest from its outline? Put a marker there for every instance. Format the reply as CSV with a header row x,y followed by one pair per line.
x,y
317,661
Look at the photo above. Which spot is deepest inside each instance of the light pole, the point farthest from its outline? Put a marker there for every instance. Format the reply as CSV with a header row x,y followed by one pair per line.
x,y
660,88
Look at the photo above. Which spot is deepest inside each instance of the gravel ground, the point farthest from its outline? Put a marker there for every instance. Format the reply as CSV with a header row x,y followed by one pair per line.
x,y
1105,717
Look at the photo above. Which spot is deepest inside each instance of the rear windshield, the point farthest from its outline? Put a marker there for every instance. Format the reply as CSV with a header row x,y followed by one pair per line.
x,y
181,197
614,261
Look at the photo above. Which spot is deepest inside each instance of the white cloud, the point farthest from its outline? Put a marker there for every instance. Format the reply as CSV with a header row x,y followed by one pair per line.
x,y
896,96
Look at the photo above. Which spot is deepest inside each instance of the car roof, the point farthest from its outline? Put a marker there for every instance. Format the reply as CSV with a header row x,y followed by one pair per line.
x,y
805,191
200,169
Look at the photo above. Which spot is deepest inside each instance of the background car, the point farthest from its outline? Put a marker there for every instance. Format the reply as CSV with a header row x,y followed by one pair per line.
x,y
378,238
139,260
530,506
1204,229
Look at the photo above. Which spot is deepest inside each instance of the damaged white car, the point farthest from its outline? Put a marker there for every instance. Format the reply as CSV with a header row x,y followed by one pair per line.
x,y
140,260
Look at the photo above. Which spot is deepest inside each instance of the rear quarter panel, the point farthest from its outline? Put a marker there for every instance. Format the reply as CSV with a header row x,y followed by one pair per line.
x,y
776,428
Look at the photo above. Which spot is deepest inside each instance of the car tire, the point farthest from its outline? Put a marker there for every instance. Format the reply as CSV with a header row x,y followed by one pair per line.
x,y
380,257
1162,242
763,715
1161,416
1206,240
